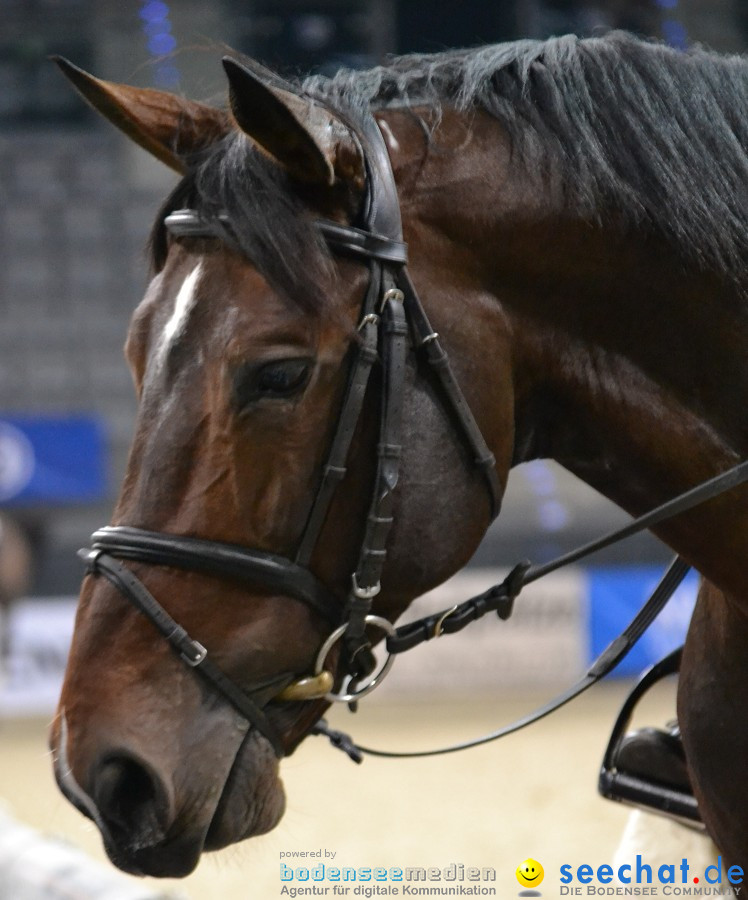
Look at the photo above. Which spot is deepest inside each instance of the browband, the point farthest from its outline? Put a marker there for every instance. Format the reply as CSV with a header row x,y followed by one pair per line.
x,y
342,238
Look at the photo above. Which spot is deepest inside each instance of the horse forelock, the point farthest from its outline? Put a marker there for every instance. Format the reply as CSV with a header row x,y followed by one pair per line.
x,y
243,194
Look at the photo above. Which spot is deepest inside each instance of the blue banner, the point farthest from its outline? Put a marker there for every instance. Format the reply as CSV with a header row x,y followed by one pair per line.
x,y
51,460
615,596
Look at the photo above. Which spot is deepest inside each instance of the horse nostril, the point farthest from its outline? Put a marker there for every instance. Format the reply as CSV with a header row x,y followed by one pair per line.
x,y
131,801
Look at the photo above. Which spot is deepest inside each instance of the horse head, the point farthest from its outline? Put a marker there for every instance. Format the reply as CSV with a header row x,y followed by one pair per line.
x,y
246,354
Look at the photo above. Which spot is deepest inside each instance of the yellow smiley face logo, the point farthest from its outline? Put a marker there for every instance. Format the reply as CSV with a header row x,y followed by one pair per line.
x,y
530,873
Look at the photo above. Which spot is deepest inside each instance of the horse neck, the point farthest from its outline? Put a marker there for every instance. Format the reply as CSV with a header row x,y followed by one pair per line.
x,y
627,370
635,379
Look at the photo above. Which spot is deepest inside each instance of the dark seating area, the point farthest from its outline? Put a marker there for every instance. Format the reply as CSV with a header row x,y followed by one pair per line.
x,y
73,234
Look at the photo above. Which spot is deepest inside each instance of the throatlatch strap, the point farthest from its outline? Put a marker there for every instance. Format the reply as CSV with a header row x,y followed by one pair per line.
x,y
428,340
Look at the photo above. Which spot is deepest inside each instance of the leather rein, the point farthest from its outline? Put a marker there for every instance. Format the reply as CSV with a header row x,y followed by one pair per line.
x,y
391,317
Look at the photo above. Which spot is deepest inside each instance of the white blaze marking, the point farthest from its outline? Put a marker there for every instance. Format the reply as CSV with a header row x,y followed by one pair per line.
x,y
182,307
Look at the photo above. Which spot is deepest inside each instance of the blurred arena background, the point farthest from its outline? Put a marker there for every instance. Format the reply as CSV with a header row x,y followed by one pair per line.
x,y
76,204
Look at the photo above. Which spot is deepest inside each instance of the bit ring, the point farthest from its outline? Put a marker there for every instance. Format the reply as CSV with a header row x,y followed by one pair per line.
x,y
344,695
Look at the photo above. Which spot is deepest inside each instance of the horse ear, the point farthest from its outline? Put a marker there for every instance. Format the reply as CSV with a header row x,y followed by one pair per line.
x,y
169,127
308,140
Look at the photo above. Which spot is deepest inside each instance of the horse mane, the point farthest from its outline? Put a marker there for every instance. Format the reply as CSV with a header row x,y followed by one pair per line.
x,y
640,134
656,137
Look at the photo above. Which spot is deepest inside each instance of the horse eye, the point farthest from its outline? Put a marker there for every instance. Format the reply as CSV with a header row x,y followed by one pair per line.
x,y
280,379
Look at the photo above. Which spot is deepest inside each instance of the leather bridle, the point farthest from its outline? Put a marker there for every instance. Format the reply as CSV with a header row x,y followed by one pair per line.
x,y
391,316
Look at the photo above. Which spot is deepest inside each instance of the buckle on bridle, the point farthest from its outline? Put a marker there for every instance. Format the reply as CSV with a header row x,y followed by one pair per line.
x,y
394,294
368,319
365,593
200,654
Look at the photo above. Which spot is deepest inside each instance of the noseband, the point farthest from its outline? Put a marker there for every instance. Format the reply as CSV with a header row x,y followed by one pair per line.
x,y
391,317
